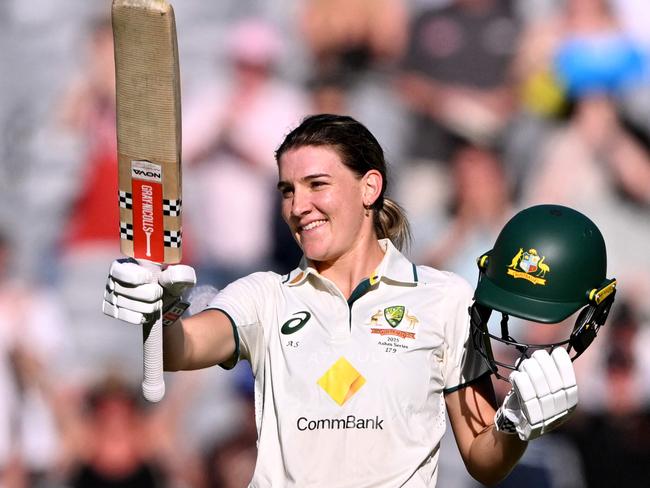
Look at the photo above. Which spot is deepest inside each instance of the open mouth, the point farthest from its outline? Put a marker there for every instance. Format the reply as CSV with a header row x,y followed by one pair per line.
x,y
312,225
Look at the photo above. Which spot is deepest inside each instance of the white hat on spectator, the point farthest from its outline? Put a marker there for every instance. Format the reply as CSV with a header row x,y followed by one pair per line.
x,y
254,41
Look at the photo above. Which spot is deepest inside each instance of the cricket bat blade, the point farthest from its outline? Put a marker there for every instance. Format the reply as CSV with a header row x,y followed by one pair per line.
x,y
147,80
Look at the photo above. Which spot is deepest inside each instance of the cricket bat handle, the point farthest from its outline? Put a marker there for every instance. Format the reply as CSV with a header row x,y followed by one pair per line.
x,y
153,382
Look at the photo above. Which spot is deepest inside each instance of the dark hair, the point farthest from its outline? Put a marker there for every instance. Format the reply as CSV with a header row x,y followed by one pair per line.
x,y
360,152
112,387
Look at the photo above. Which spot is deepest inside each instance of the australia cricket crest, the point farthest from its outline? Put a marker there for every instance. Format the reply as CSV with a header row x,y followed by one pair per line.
x,y
394,315
394,321
529,261
529,265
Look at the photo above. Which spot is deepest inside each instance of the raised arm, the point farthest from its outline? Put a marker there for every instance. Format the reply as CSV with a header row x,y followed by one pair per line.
x,y
200,341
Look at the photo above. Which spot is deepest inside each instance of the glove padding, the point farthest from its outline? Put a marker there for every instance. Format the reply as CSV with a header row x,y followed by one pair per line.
x,y
544,394
136,295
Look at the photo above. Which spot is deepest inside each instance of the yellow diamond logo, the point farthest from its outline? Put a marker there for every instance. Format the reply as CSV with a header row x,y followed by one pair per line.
x,y
341,381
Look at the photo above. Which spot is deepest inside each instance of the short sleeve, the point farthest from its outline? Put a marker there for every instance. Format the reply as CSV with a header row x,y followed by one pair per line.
x,y
246,302
463,364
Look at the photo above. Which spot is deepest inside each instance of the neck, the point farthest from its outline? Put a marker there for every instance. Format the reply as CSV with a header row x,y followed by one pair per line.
x,y
348,270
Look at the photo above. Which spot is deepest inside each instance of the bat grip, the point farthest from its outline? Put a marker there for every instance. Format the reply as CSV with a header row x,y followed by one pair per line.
x,y
153,383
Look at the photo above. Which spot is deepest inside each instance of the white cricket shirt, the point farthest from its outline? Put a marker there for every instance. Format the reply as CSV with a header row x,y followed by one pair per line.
x,y
349,393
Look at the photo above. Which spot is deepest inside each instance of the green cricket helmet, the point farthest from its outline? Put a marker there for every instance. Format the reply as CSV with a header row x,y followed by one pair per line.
x,y
547,263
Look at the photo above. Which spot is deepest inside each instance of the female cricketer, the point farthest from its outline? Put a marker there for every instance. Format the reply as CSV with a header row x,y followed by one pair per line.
x,y
357,353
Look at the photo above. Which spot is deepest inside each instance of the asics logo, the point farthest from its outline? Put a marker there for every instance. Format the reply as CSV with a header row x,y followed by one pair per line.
x,y
296,323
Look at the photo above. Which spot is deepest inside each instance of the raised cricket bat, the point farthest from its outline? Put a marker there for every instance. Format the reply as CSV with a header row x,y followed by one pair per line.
x,y
149,150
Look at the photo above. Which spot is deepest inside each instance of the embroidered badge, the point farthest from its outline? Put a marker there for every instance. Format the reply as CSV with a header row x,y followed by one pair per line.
x,y
397,322
394,315
530,266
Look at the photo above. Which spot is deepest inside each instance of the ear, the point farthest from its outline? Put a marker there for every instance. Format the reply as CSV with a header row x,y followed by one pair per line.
x,y
372,185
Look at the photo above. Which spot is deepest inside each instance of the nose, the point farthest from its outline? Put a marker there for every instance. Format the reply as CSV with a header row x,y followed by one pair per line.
x,y
301,203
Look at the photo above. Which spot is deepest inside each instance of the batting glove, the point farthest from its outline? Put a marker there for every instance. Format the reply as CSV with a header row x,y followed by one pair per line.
x,y
137,295
543,395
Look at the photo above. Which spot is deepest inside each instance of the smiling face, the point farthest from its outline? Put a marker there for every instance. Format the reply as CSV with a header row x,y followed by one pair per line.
x,y
323,203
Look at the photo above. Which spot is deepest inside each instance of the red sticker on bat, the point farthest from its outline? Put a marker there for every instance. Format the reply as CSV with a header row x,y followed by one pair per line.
x,y
148,233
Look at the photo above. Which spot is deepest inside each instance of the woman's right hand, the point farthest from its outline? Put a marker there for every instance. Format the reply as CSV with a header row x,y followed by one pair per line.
x,y
137,295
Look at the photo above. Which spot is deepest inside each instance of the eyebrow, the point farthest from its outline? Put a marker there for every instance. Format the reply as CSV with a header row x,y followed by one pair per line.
x,y
283,185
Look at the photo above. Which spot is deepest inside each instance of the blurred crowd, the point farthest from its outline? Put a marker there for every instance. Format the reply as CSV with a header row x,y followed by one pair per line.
x,y
484,107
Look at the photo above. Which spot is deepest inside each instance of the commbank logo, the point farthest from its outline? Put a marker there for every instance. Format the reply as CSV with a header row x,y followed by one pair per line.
x,y
349,422
341,381
296,323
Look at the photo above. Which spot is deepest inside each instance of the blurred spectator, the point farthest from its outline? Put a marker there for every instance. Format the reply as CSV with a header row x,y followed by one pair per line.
x,y
580,47
456,75
353,49
348,37
31,348
606,158
597,51
480,206
455,83
579,52
231,131
88,109
114,446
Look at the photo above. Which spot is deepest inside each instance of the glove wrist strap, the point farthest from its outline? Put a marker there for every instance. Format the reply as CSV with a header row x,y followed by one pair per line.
x,y
503,423
174,311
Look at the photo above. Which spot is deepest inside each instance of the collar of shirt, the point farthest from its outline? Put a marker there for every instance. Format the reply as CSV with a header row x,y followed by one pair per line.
x,y
394,268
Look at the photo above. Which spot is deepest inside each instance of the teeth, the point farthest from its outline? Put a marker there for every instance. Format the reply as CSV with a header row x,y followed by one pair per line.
x,y
313,225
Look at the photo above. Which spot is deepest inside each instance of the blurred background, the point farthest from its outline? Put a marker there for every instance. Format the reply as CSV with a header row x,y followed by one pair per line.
x,y
482,106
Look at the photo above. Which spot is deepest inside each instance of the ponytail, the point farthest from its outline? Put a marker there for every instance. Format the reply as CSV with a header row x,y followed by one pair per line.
x,y
391,223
